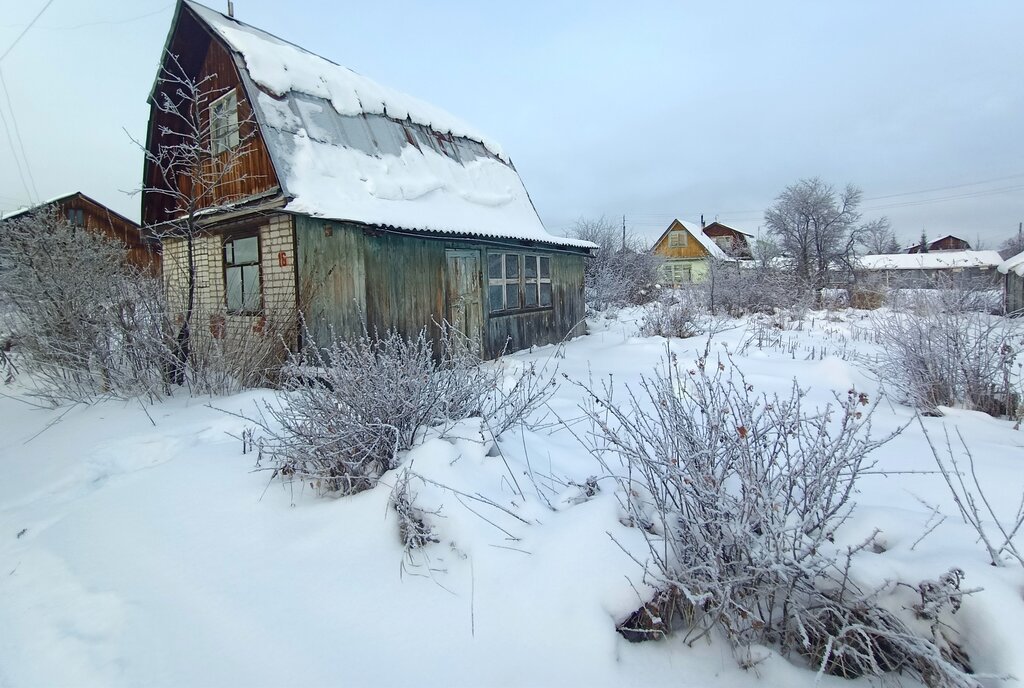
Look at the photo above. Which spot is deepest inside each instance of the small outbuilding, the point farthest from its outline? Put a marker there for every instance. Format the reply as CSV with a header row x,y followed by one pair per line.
x,y
946,243
354,205
1013,271
930,270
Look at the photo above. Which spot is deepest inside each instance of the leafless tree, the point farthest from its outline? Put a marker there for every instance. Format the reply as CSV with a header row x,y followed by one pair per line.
x,y
622,271
877,237
194,152
816,226
1012,246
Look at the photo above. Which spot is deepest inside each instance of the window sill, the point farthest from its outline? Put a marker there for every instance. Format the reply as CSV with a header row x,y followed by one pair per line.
x,y
521,311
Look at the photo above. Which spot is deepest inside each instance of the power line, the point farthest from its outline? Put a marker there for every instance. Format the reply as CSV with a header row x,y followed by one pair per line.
x,y
17,134
105,22
25,31
14,154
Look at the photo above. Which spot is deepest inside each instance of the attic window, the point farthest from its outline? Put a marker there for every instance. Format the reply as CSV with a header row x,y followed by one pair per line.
x,y
224,123
76,217
677,239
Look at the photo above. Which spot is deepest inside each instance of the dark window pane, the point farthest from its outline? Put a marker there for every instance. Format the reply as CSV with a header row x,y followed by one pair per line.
x,y
545,267
511,266
545,294
233,282
530,292
494,266
494,299
530,267
511,296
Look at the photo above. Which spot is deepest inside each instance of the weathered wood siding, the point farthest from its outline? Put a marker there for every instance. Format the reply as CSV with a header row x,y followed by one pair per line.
x,y
1014,285
205,57
349,274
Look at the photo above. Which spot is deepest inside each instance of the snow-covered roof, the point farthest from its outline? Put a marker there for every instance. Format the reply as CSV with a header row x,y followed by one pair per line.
x,y
57,199
347,148
1014,263
930,261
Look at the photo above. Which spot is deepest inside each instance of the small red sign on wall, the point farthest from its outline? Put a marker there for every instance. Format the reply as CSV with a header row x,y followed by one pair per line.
x,y
282,259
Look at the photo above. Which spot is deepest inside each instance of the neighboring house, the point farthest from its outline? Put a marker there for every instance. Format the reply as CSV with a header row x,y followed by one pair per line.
x,y
946,243
81,211
357,205
1013,269
686,252
928,270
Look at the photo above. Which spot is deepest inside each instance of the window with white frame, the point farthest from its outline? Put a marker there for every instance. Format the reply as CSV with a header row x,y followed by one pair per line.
x,y
242,275
224,123
517,281
676,273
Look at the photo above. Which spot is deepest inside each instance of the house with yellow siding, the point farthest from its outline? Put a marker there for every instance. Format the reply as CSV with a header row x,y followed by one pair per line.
x,y
686,250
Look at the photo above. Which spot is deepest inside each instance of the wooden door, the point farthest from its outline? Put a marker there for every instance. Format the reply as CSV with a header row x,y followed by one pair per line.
x,y
465,301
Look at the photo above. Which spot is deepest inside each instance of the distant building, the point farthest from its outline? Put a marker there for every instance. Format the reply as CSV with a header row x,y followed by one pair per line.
x,y
686,252
946,243
929,270
81,211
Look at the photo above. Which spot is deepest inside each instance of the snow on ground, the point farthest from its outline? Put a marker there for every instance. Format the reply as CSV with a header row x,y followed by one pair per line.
x,y
139,547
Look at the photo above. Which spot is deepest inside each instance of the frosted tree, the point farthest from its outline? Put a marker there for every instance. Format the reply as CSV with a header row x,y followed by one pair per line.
x,y
200,141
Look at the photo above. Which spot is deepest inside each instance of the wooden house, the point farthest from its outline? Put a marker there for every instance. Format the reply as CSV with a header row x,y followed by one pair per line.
x,y
686,252
1012,270
354,204
82,211
946,243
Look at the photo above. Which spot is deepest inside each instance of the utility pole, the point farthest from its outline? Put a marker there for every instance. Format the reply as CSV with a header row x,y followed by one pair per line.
x,y
623,232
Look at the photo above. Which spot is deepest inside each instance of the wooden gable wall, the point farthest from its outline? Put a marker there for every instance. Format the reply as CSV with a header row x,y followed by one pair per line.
x,y
200,56
692,250
101,220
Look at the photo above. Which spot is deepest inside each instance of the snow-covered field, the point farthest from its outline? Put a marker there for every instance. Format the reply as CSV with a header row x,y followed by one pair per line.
x,y
138,546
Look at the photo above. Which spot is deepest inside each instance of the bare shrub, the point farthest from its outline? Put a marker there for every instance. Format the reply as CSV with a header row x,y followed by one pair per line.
x,y
229,358
622,272
354,406
945,354
86,322
414,531
737,290
739,495
681,315
997,534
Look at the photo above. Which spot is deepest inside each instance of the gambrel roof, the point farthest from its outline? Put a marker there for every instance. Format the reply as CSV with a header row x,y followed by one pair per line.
x,y
346,148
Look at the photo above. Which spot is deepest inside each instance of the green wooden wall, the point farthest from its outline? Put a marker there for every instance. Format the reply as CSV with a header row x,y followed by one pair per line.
x,y
349,273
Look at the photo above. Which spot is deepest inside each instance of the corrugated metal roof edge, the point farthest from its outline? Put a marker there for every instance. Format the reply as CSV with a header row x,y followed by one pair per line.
x,y
562,242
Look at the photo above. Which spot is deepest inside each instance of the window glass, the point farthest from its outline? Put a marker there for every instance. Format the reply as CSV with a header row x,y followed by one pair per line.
x,y
545,294
545,267
511,266
530,294
530,267
512,295
247,250
233,282
242,275
494,297
494,266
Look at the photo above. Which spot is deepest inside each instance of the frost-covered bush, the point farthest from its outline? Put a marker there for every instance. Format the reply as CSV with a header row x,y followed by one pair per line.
x,y
944,355
352,408
739,496
737,290
682,314
622,271
86,323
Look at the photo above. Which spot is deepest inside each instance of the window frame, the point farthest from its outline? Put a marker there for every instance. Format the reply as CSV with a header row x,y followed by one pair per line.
x,y
76,217
229,267
525,285
678,238
224,132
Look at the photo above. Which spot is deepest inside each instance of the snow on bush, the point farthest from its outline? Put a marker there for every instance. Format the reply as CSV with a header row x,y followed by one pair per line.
x,y
86,322
739,495
946,353
354,406
737,290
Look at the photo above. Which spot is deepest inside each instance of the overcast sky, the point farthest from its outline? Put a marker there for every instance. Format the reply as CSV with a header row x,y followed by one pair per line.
x,y
643,109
